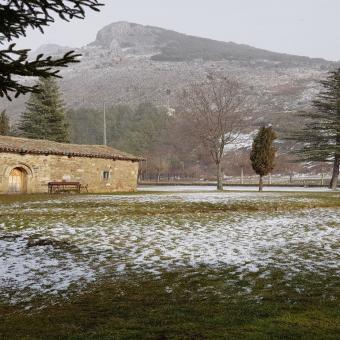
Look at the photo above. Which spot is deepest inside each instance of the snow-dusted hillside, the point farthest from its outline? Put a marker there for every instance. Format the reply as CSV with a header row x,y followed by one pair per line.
x,y
131,63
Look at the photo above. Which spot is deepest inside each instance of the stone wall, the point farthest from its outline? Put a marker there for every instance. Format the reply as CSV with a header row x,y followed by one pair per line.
x,y
40,169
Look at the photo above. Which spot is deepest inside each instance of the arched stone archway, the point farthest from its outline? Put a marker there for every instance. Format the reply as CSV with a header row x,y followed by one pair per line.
x,y
18,178
17,181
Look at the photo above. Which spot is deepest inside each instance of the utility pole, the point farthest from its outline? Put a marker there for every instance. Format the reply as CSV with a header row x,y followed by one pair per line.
x,y
168,93
242,175
104,121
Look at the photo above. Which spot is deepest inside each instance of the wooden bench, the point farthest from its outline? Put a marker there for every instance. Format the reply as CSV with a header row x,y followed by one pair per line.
x,y
60,187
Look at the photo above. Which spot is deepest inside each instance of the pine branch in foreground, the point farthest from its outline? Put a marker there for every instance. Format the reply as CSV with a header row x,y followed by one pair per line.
x,y
16,16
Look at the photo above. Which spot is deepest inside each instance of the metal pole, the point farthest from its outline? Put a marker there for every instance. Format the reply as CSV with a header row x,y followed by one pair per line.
x,y
104,121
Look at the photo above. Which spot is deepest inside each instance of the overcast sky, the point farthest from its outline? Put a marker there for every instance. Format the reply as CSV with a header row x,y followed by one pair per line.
x,y
303,27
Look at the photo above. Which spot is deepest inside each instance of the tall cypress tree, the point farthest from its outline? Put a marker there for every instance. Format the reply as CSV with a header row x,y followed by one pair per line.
x,y
44,117
263,152
320,137
4,124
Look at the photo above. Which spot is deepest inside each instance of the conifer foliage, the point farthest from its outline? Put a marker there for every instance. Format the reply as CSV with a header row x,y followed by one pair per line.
x,y
16,17
319,140
4,124
44,117
263,153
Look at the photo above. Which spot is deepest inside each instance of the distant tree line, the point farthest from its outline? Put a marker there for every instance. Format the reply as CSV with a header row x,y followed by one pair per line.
x,y
146,130
136,130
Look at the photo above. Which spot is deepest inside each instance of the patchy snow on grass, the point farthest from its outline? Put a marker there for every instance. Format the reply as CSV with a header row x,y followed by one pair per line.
x,y
57,246
25,271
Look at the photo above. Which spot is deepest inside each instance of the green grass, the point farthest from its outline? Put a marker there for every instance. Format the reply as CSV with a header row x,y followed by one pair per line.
x,y
140,307
187,303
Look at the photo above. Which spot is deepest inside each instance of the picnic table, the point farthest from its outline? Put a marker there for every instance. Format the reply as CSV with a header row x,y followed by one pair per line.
x,y
58,187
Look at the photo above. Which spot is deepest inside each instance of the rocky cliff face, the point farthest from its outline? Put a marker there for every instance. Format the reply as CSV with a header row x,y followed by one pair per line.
x,y
131,63
124,38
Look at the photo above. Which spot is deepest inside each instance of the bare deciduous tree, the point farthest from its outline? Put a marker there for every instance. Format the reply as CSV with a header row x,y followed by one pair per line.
x,y
214,111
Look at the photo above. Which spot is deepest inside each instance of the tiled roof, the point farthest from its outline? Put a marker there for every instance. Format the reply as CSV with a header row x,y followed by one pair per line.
x,y
45,147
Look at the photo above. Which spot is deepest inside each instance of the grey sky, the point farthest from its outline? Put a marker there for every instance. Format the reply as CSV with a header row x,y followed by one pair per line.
x,y
303,27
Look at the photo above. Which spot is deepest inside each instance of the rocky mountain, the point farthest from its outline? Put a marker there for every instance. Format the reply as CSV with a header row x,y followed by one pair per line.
x,y
164,45
131,63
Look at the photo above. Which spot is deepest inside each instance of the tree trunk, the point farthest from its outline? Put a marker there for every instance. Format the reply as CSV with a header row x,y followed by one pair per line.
x,y
335,175
261,184
219,177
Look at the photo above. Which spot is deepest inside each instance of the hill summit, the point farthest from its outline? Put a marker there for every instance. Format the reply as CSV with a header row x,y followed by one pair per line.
x,y
166,45
129,63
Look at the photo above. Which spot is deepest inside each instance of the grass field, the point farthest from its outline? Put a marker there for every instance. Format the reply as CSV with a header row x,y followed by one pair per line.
x,y
201,265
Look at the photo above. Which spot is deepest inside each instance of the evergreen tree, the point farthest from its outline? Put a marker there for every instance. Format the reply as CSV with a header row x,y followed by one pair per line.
x,y
44,117
4,124
320,137
262,155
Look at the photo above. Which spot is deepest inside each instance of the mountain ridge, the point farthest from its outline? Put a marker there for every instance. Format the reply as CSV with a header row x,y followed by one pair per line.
x,y
175,46
129,63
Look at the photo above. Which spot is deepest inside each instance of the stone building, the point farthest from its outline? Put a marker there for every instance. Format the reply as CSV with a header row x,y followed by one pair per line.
x,y
28,165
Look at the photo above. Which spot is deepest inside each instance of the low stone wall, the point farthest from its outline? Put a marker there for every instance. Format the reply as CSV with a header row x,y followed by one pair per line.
x,y
41,169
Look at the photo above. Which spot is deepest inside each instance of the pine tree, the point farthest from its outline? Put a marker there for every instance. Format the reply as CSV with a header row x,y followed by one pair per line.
x,y
262,155
320,137
4,124
44,117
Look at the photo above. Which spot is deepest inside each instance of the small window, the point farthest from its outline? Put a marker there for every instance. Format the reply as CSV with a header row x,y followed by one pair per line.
x,y
106,175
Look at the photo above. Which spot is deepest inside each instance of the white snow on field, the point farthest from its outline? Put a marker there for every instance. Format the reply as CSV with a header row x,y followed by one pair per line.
x,y
105,243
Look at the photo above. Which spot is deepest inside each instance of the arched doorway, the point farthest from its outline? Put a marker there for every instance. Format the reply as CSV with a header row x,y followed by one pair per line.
x,y
18,181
